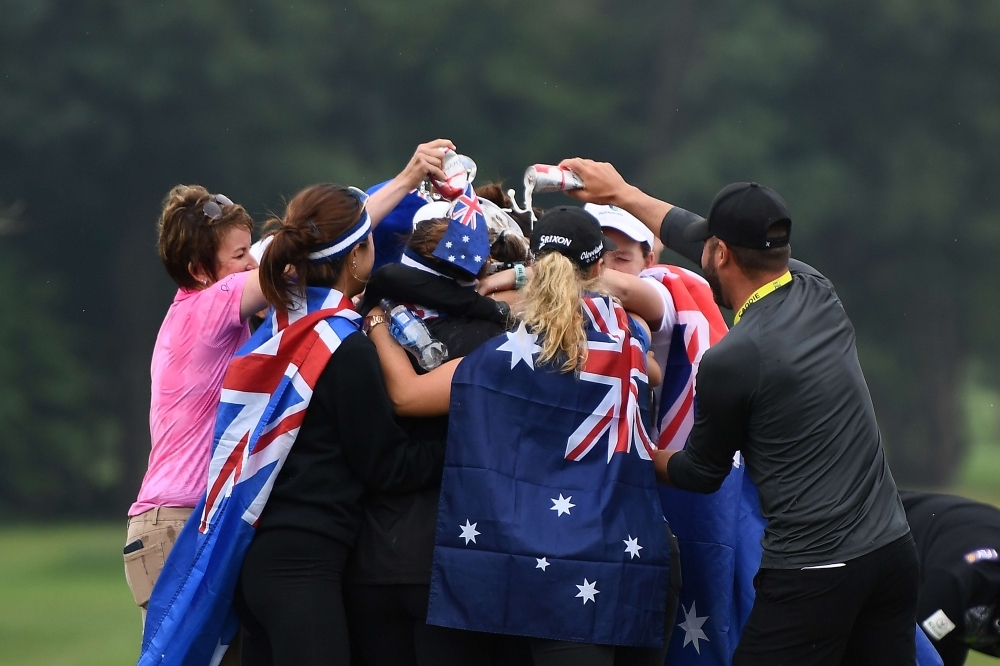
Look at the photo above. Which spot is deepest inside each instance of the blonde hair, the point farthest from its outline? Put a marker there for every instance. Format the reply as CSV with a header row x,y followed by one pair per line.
x,y
553,309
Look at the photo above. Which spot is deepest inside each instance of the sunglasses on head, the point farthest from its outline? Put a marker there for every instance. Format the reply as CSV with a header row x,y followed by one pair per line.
x,y
359,194
213,209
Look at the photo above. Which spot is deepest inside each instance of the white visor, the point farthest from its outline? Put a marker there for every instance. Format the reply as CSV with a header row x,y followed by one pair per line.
x,y
613,217
435,210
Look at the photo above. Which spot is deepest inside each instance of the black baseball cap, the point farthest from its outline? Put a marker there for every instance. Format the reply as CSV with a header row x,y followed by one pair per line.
x,y
740,215
573,233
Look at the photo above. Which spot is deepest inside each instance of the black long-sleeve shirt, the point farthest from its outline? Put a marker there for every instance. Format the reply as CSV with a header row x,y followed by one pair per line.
x,y
348,443
412,285
785,388
396,541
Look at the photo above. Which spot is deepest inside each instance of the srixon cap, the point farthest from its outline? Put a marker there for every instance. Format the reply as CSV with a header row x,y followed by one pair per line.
x,y
573,233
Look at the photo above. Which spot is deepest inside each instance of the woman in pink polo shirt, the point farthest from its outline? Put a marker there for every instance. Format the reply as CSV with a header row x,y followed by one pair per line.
x,y
205,246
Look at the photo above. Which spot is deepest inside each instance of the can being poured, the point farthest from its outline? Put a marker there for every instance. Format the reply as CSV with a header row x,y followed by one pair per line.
x,y
544,178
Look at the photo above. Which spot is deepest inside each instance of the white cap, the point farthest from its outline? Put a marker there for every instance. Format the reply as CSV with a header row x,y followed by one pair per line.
x,y
431,211
257,249
613,217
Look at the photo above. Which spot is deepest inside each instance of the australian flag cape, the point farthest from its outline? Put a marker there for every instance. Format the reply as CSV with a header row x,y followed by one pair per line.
x,y
719,534
549,523
190,620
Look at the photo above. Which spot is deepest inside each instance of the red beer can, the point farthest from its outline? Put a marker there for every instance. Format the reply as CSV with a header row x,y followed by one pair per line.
x,y
542,178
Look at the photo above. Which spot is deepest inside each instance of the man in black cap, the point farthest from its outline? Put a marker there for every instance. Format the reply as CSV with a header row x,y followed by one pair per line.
x,y
838,577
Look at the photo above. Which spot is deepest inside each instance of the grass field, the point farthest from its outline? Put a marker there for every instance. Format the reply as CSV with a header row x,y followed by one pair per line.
x,y
63,598
64,602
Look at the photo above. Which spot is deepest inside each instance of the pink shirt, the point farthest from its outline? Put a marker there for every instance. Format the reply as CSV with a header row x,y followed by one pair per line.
x,y
198,338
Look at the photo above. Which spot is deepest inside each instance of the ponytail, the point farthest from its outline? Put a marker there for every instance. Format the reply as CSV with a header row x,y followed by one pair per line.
x,y
314,216
553,310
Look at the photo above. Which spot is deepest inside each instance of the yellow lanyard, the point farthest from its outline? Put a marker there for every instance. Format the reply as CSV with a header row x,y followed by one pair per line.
x,y
762,292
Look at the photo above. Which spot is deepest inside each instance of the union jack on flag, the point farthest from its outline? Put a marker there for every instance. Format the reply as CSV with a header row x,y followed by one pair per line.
x,y
466,210
465,244
618,362
698,325
265,394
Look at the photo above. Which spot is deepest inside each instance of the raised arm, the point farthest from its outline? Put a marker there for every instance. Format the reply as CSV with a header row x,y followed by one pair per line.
x,y
253,298
411,394
637,296
411,285
604,185
426,161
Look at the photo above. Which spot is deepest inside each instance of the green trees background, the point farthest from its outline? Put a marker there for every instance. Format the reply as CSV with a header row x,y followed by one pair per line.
x,y
879,122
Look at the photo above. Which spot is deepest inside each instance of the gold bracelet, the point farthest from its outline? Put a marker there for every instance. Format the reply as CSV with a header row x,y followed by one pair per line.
x,y
371,321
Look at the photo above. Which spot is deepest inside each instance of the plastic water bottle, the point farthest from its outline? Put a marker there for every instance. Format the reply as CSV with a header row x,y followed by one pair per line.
x,y
411,332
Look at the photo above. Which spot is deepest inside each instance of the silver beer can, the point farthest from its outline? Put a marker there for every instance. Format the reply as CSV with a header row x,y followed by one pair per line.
x,y
542,178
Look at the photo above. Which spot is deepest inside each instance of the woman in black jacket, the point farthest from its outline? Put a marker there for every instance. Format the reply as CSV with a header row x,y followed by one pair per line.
x,y
388,576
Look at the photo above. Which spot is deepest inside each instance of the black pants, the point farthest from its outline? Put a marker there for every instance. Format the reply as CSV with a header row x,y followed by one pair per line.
x,y
289,601
861,613
565,653
388,628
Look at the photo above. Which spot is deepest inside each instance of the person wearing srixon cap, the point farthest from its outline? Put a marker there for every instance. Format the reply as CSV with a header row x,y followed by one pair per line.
x,y
838,577
572,233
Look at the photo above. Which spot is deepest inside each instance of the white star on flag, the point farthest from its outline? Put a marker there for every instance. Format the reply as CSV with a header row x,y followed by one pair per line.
x,y
542,563
465,239
632,547
477,258
468,532
521,346
448,245
451,257
588,591
561,505
463,256
692,627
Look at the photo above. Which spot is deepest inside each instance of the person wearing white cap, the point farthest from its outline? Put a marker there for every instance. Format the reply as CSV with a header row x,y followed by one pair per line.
x,y
634,256
633,238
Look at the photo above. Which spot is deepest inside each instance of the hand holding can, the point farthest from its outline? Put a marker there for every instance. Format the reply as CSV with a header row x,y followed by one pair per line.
x,y
602,184
426,162
542,178
457,172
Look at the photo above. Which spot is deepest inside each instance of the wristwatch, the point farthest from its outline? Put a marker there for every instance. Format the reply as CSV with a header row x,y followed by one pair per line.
x,y
371,321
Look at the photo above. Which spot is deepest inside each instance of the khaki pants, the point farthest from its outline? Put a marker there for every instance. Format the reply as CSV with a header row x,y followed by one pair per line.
x,y
158,529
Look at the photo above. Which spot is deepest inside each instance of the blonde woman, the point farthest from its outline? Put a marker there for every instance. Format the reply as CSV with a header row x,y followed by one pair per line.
x,y
523,564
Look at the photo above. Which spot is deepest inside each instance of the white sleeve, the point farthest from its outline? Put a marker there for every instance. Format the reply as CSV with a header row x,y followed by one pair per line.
x,y
669,311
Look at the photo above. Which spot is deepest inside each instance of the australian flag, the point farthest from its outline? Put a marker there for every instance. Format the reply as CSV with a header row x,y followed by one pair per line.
x,y
466,243
549,523
719,534
190,620
719,537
